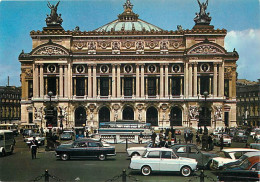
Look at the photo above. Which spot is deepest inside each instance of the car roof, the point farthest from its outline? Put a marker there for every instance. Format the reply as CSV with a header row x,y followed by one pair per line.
x,y
159,149
251,154
6,131
238,150
87,140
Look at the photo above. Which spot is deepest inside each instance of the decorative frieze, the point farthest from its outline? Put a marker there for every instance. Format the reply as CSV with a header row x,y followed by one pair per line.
x,y
206,49
50,50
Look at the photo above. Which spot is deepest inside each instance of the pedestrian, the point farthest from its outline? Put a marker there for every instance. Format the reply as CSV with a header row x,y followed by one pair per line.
x,y
186,137
170,138
34,145
153,138
191,137
198,138
221,142
204,141
140,138
210,143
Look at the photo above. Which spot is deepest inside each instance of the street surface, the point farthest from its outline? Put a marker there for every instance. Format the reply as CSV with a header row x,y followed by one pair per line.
x,y
20,167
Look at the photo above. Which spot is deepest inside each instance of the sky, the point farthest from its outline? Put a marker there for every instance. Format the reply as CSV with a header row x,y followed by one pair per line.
x,y
241,18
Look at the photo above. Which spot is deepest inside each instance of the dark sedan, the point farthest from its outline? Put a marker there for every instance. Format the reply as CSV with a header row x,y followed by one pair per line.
x,y
192,151
247,170
84,148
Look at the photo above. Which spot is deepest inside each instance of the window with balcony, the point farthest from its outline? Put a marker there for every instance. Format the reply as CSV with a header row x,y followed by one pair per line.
x,y
128,86
151,86
176,86
80,86
52,85
104,86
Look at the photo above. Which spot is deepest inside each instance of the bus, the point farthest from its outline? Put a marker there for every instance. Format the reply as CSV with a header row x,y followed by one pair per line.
x,y
13,127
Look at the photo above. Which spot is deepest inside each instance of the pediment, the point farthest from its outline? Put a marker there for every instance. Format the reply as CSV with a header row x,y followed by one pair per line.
x,y
50,50
206,49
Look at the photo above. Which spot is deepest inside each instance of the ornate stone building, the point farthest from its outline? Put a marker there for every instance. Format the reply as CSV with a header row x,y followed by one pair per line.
x,y
130,69
10,107
248,103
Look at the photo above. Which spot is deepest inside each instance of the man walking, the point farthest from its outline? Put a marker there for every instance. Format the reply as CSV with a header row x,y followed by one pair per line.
x,y
34,146
153,138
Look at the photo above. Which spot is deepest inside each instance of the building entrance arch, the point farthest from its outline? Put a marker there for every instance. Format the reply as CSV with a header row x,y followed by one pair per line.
x,y
104,115
128,113
152,116
204,116
80,116
176,117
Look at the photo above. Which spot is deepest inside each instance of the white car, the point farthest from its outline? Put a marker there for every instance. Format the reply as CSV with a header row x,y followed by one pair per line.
x,y
37,137
231,155
226,139
162,159
137,151
252,133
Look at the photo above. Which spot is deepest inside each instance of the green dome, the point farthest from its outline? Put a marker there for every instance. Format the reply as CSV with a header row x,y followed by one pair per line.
x,y
128,21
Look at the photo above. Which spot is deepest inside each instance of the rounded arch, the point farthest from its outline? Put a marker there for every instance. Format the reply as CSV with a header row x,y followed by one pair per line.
x,y
176,116
104,114
128,113
152,116
80,116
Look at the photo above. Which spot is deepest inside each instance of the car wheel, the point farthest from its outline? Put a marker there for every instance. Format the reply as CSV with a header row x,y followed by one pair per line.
x,y
3,152
135,154
146,170
64,157
101,157
186,171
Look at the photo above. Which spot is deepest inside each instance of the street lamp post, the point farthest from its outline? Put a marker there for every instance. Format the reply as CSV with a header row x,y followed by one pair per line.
x,y
204,118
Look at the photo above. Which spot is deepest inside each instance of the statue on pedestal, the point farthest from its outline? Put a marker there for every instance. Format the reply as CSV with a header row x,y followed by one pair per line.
x,y
53,18
202,17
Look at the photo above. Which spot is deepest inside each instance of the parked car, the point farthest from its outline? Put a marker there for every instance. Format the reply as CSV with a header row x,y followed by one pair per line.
x,y
240,137
177,132
226,139
247,170
231,155
137,151
67,135
255,146
37,137
162,159
252,133
242,158
7,142
192,151
84,148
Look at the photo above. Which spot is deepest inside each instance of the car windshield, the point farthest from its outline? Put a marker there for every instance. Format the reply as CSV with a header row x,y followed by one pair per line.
x,y
145,152
243,157
245,164
226,154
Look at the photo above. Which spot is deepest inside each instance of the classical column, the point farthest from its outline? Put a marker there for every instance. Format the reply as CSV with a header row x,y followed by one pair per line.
x,y
133,87
98,87
41,81
86,85
181,86
215,80
190,80
35,81
142,80
161,81
170,85
198,85
69,81
57,86
118,81
113,80
166,80
65,80
89,82
146,86
210,86
195,90
137,81
123,86
94,81
109,86
186,84
61,80
74,86
157,87
221,80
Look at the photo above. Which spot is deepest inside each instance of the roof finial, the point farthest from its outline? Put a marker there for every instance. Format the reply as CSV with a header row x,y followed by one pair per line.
x,y
128,5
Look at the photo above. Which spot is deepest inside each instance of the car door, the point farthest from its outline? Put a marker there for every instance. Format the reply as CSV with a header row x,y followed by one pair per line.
x,y
194,153
93,149
169,161
79,149
153,160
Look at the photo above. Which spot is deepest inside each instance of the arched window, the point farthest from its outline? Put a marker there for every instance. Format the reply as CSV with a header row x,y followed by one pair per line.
x,y
152,116
128,113
176,116
80,116
104,115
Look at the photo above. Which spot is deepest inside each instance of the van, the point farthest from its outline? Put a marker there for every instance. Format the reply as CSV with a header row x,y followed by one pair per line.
x,y
7,142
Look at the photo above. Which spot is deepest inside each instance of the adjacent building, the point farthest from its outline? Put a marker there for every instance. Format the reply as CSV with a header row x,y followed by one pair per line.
x,y
248,103
130,69
10,107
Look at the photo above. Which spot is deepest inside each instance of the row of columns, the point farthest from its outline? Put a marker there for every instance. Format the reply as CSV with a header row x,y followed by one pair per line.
x,y
191,80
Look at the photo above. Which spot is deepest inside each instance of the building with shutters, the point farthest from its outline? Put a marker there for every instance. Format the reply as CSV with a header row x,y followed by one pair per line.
x,y
130,69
